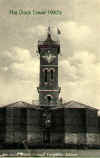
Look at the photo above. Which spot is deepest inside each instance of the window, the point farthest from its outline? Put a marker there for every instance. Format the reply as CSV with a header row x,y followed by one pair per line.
x,y
45,73
49,99
52,74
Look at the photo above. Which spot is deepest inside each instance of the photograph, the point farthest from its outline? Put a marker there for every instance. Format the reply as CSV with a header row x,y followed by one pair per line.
x,y
50,78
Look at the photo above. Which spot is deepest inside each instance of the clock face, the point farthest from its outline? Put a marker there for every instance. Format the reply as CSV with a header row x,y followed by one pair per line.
x,y
49,55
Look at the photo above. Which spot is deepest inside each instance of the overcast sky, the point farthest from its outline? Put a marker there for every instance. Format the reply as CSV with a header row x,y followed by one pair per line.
x,y
79,65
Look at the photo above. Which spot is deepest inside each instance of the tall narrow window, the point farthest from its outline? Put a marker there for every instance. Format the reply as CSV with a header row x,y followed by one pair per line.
x,y
45,73
49,99
52,74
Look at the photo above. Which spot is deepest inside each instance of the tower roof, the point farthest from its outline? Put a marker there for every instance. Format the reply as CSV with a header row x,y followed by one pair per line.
x,y
49,39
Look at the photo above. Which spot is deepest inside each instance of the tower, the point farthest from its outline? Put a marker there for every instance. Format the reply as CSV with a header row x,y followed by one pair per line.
x,y
48,87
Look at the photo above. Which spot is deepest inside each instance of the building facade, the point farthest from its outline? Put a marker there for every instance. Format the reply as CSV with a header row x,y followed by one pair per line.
x,y
51,123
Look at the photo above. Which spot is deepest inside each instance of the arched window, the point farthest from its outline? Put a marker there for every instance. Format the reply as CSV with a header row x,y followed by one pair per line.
x,y
45,75
52,74
48,99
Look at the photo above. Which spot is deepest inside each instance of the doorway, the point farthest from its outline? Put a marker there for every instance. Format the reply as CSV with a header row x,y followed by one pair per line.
x,y
46,137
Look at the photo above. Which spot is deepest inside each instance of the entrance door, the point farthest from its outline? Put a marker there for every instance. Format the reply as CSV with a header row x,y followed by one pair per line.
x,y
46,127
46,137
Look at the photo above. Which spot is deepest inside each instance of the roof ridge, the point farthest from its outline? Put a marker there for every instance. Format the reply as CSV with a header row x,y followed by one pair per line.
x,y
14,103
85,105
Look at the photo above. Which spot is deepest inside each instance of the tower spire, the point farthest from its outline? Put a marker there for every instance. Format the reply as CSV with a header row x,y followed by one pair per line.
x,y
49,29
49,32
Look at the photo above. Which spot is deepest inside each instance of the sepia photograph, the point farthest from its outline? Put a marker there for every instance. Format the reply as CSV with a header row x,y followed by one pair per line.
x,y
50,78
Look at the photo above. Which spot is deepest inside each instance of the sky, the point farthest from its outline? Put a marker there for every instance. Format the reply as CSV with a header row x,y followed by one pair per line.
x,y
79,62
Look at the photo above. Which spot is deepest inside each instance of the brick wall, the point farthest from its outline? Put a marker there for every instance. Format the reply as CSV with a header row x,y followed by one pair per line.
x,y
57,131
74,126
2,125
15,125
93,136
34,135
69,126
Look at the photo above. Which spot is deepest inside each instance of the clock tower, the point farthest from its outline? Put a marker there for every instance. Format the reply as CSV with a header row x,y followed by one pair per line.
x,y
48,87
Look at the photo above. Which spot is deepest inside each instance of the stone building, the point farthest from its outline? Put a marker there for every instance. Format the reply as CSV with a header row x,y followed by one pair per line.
x,y
51,123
